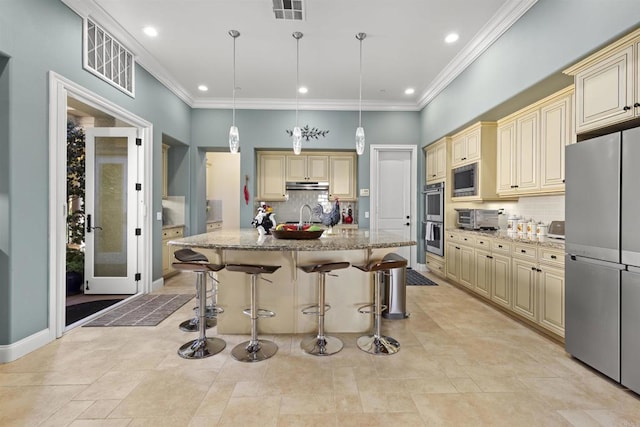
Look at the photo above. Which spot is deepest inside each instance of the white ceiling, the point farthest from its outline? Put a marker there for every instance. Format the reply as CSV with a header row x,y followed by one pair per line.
x,y
404,47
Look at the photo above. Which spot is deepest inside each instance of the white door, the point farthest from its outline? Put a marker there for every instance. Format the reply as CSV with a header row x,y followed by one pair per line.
x,y
393,210
111,211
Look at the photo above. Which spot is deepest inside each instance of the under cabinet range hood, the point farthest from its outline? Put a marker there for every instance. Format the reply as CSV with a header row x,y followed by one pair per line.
x,y
307,185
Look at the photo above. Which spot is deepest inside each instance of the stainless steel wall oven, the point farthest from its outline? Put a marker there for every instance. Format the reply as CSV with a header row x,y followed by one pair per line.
x,y
433,222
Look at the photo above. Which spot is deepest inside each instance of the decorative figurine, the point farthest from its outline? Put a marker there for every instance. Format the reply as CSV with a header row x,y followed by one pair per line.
x,y
264,220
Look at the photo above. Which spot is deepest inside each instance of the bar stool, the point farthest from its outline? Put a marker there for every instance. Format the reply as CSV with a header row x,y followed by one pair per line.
x,y
254,350
321,344
377,343
202,346
212,310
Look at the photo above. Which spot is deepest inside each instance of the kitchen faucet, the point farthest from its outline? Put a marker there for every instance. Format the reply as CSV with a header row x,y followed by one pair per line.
x,y
310,215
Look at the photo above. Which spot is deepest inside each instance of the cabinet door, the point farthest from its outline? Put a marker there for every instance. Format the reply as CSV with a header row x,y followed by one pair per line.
x,y
342,177
472,141
524,286
604,90
458,150
501,280
167,254
453,261
271,179
431,160
318,168
441,162
555,134
483,273
506,171
527,151
467,267
551,282
297,168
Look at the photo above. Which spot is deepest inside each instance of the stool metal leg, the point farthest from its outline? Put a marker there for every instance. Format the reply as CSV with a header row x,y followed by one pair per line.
x,y
321,345
377,343
202,346
254,350
193,324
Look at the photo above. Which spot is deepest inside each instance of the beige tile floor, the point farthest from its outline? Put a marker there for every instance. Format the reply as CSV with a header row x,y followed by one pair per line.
x,y
461,363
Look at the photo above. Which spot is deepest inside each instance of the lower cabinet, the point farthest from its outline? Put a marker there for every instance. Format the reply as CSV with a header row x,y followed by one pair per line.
x,y
167,251
526,279
436,264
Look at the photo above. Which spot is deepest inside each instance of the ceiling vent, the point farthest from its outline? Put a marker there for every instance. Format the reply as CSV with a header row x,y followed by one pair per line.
x,y
288,9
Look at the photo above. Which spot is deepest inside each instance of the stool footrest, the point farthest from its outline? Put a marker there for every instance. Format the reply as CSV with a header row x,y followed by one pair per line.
x,y
362,309
261,312
315,309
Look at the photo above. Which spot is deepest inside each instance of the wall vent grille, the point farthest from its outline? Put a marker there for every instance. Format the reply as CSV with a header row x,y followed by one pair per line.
x,y
291,10
107,58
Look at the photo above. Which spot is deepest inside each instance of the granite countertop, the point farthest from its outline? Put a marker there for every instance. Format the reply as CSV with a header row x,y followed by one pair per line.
x,y
544,241
249,239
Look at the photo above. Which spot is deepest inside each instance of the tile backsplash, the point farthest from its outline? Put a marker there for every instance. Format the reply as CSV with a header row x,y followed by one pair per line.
x,y
540,208
289,210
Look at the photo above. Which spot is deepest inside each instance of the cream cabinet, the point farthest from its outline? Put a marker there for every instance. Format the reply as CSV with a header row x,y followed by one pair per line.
x,y
342,177
168,234
531,145
271,176
436,264
526,279
465,147
214,226
607,85
477,144
436,161
307,168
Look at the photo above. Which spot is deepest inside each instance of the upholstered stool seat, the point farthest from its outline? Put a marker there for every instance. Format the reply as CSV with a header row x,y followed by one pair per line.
x,y
376,343
202,346
254,350
321,344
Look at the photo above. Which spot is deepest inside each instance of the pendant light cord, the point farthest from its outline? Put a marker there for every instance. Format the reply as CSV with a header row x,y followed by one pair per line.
x,y
360,102
234,81
297,75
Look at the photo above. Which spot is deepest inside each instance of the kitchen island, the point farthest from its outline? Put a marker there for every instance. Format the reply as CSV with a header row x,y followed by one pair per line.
x,y
292,289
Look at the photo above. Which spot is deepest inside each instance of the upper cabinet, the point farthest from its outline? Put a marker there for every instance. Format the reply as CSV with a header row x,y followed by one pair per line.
x,y
342,177
275,168
477,144
531,144
436,161
465,147
271,176
308,168
607,85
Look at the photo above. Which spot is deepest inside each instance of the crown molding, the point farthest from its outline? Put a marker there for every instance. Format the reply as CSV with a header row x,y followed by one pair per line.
x,y
508,14
311,104
90,9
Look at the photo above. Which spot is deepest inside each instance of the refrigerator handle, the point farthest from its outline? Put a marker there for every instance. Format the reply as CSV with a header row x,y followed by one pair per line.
x,y
608,264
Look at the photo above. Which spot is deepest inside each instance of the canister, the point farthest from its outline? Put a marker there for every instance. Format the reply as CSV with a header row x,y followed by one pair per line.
x,y
531,227
522,226
541,229
512,223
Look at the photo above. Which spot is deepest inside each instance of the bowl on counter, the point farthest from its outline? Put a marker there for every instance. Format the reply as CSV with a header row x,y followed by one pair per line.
x,y
297,234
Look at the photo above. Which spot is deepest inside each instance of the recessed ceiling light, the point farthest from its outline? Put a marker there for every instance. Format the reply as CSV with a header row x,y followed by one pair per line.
x,y
409,91
451,38
303,89
203,88
150,31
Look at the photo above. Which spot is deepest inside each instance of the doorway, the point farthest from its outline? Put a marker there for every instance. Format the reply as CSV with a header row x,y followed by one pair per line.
x,y
117,171
393,193
223,180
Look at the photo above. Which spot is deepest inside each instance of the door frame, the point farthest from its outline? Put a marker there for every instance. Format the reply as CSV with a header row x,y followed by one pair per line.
x,y
375,151
59,89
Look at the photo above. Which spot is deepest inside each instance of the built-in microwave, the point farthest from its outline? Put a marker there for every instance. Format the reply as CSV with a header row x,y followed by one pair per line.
x,y
465,180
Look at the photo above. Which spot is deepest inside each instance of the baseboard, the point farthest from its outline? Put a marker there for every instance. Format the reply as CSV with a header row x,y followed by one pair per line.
x,y
421,267
11,352
157,284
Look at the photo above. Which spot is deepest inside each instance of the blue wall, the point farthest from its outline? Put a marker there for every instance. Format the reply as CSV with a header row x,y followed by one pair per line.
x,y
265,129
38,36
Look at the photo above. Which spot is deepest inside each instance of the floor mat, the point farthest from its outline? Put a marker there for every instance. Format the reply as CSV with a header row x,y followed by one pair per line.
x,y
416,279
79,311
147,310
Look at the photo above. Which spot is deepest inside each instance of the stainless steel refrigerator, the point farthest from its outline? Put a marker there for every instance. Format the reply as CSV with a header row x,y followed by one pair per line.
x,y
602,269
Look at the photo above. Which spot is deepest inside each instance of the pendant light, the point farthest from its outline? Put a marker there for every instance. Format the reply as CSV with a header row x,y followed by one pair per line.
x,y
234,136
360,130
297,133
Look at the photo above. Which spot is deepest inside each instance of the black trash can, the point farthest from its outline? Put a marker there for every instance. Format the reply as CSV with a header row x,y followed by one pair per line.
x,y
394,290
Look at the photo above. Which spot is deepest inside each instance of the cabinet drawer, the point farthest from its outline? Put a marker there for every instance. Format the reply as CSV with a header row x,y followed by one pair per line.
x,y
453,237
551,256
483,242
500,246
213,226
525,252
467,239
172,233
436,267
